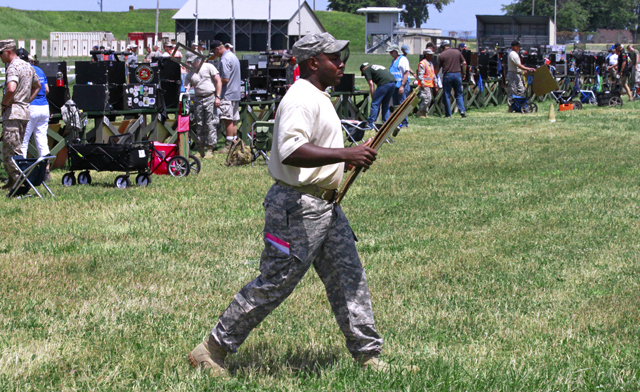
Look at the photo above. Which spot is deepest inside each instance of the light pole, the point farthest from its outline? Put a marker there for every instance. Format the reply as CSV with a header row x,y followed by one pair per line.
x,y
555,23
233,25
155,41
269,29
196,15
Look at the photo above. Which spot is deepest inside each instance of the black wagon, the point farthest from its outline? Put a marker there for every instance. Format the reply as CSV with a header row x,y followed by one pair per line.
x,y
120,154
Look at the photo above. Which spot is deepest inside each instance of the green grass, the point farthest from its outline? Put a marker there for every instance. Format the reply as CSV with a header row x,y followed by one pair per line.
x,y
502,254
343,25
19,24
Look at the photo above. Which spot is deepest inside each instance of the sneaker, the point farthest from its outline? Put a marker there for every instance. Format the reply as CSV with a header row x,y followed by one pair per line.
x,y
463,114
209,355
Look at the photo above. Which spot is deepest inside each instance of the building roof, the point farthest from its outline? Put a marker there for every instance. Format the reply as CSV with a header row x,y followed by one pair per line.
x,y
244,9
505,19
381,10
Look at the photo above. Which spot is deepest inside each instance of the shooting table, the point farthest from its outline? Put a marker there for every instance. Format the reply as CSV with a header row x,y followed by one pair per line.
x,y
146,124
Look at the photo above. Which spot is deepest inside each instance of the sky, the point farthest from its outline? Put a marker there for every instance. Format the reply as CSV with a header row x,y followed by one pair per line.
x,y
458,16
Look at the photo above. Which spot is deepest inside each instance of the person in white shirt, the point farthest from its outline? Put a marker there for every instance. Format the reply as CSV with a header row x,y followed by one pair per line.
x,y
303,226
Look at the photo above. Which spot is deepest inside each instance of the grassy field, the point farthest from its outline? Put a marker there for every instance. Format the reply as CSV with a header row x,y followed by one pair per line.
x,y
502,254
20,24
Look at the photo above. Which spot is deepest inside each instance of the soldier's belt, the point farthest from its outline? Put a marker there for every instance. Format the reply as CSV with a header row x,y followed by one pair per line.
x,y
316,191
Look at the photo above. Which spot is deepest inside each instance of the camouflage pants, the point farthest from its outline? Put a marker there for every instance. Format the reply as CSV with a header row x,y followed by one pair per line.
x,y
12,136
515,85
425,95
207,120
318,234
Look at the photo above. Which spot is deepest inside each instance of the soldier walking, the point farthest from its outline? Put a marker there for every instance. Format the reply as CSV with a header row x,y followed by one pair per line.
x,y
303,226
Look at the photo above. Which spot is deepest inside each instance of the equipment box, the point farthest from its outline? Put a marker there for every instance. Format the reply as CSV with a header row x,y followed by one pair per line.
x,y
141,96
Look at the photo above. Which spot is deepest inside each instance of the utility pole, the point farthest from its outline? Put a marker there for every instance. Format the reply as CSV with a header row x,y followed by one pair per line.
x,y
533,8
196,16
155,40
299,23
269,29
100,2
555,24
233,25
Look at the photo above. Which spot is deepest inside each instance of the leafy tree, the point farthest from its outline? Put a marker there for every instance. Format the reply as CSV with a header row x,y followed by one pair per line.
x,y
583,15
352,6
417,10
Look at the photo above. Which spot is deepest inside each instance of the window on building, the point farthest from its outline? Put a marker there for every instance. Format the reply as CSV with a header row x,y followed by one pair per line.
x,y
373,18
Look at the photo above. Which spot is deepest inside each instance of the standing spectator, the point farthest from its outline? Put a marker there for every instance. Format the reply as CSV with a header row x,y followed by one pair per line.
x,y
229,47
405,53
20,88
147,56
515,69
230,75
202,47
131,60
38,115
156,54
293,71
400,71
451,63
427,81
624,70
169,49
434,61
612,67
207,86
634,58
377,75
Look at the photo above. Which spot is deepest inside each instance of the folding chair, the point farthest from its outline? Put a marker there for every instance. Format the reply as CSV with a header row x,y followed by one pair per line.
x,y
261,137
354,130
32,172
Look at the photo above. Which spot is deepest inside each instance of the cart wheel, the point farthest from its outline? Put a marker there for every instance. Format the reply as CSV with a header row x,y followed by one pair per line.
x,y
122,182
69,179
534,107
577,105
194,164
178,166
615,101
84,178
143,179
593,101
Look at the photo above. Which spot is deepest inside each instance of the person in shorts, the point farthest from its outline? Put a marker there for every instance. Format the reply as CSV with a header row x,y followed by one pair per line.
x,y
230,96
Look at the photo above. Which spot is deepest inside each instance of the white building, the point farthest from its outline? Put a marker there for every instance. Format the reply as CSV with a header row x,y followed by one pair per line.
x,y
216,21
381,28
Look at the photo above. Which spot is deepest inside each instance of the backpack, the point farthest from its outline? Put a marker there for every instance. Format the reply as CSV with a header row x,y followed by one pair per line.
x,y
239,154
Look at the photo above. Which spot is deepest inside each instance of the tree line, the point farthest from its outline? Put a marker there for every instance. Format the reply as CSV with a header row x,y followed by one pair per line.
x,y
582,15
417,10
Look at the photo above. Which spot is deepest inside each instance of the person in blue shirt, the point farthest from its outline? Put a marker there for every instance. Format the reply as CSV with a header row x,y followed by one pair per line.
x,y
39,114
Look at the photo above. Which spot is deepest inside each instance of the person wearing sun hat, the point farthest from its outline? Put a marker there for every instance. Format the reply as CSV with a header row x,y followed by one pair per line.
x,y
303,226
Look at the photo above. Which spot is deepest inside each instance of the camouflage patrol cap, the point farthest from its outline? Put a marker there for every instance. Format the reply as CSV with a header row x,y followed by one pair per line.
x,y
314,44
7,44
391,48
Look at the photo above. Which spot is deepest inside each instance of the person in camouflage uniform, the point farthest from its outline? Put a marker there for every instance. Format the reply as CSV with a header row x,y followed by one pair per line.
x,y
303,226
21,87
207,86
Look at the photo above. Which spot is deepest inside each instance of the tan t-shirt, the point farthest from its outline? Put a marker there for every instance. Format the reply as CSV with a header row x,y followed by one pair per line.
x,y
202,81
306,115
514,61
24,76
